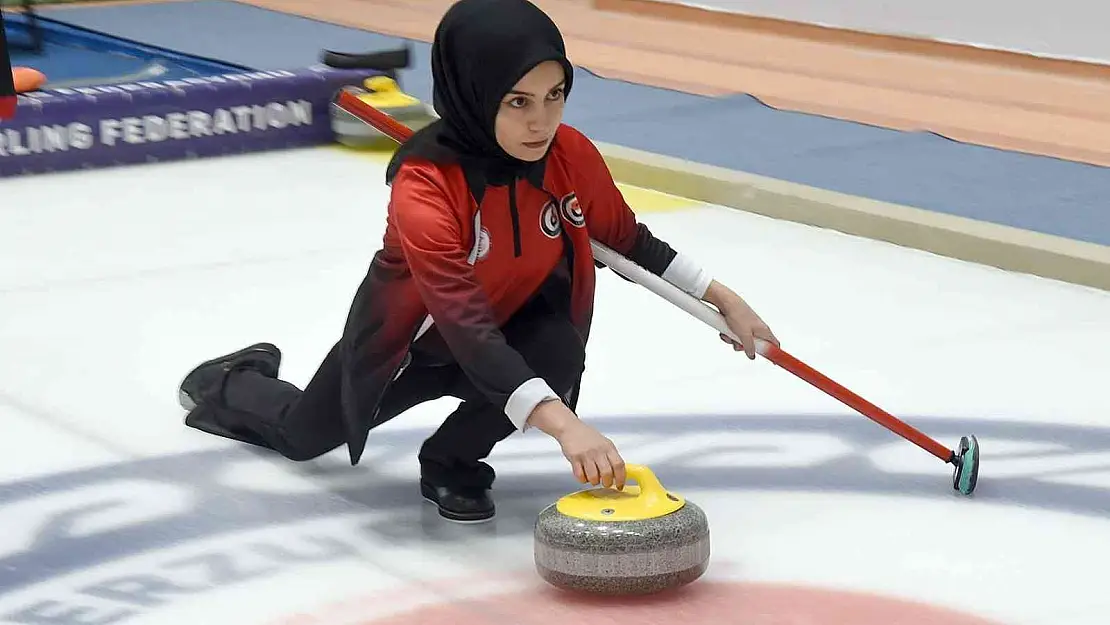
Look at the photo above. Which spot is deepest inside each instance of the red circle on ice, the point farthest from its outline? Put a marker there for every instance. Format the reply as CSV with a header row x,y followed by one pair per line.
x,y
706,602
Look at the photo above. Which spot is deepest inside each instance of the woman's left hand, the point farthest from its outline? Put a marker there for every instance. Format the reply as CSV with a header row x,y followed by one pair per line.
x,y
747,325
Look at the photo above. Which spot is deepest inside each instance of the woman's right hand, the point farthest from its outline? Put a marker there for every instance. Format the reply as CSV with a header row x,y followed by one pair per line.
x,y
593,457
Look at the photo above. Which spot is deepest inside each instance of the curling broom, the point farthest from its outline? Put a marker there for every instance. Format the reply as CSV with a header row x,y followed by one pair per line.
x,y
965,459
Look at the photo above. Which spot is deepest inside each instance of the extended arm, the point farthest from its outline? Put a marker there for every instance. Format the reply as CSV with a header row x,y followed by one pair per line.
x,y
612,222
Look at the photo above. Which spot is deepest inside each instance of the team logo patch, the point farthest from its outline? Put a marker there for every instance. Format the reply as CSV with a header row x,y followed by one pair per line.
x,y
572,211
550,222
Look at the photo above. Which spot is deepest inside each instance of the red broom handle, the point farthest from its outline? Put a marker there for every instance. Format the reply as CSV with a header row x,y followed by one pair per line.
x,y
777,355
792,364
383,123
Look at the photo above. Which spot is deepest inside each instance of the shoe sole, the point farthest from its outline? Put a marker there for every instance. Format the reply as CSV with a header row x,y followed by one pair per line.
x,y
461,519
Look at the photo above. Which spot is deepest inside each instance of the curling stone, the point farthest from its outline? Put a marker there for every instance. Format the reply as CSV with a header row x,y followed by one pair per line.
x,y
636,541
382,93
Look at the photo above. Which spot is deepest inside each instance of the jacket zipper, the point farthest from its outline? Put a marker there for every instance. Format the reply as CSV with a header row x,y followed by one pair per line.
x,y
516,218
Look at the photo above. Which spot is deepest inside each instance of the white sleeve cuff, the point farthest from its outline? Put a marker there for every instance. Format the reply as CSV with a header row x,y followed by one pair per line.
x,y
684,273
525,398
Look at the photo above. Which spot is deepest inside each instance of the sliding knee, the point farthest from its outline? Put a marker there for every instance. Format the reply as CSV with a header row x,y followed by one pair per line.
x,y
300,449
301,455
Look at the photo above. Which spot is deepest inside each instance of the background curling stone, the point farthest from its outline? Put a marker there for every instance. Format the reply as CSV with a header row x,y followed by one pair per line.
x,y
638,541
385,95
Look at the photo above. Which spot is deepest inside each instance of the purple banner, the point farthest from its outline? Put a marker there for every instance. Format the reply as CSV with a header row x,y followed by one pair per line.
x,y
101,126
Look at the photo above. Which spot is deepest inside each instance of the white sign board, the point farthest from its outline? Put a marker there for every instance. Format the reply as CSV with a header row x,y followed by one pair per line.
x,y
1072,29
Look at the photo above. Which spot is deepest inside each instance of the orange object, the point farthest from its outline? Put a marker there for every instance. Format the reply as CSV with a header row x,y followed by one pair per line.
x,y
27,79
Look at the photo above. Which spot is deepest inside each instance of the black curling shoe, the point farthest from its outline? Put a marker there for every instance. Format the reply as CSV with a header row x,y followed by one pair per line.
x,y
461,505
206,380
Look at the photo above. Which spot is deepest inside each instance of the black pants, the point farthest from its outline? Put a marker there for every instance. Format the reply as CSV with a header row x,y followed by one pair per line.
x,y
302,425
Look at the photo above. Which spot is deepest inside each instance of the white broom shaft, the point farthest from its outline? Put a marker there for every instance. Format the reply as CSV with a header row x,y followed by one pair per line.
x,y
667,291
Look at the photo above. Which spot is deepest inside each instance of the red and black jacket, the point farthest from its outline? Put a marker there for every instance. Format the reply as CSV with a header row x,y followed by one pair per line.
x,y
466,265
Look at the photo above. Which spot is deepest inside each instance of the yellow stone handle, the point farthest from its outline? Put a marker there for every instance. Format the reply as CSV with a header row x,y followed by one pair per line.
x,y
648,500
379,84
650,487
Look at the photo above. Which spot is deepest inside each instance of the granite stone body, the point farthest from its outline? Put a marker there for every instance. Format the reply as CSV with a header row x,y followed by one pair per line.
x,y
622,557
355,133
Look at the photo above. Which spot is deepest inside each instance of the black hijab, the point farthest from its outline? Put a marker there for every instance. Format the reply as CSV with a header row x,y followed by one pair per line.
x,y
481,49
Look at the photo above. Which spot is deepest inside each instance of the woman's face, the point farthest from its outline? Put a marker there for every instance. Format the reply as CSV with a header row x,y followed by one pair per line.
x,y
531,112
